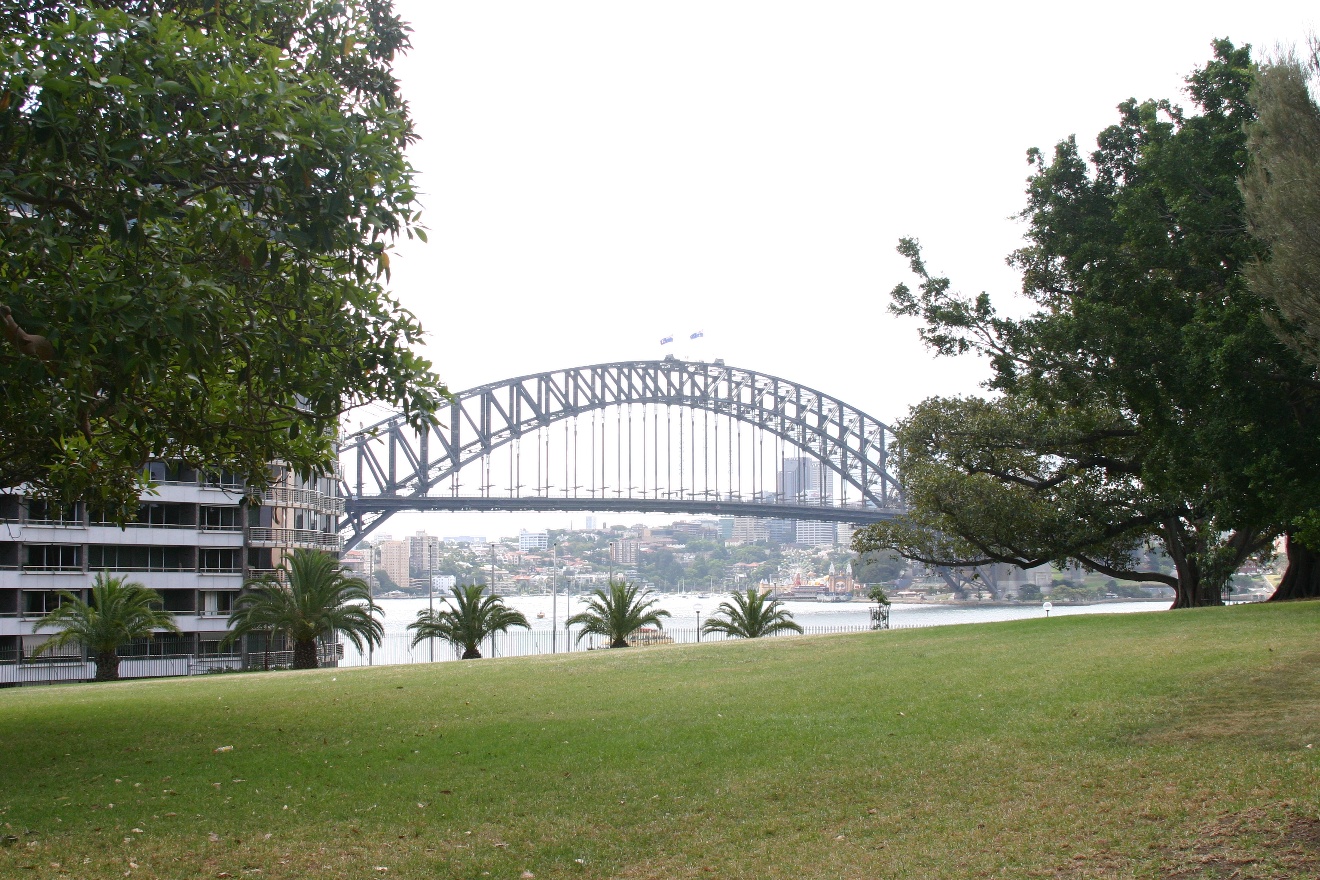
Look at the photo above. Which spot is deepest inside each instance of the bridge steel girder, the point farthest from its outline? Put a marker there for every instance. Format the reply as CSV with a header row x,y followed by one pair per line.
x,y
847,441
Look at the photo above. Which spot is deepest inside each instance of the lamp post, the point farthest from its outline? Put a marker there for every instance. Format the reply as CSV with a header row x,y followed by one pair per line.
x,y
492,592
611,562
430,598
1047,606
697,609
554,598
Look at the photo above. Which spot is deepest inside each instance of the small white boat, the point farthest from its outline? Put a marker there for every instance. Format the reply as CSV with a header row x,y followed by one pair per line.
x,y
540,615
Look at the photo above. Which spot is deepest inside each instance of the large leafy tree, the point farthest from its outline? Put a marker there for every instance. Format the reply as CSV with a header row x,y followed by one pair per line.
x,y
616,612
1282,195
1145,398
118,612
197,198
750,616
311,597
473,618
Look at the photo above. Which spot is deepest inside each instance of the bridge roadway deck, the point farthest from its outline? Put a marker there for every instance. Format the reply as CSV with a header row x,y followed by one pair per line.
x,y
690,506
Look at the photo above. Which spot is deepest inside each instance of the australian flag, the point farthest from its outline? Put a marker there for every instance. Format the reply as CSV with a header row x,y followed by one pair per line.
x,y
666,340
697,335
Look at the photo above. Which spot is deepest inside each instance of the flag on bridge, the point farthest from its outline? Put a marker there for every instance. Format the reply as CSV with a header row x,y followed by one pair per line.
x,y
697,335
666,340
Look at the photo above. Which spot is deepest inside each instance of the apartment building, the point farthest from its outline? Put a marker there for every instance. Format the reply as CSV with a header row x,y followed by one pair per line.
x,y
194,540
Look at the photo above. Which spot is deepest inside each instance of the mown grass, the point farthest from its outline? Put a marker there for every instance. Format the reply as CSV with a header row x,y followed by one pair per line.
x,y
1149,745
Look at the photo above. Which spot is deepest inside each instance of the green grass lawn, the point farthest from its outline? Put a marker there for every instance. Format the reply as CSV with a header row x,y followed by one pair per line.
x,y
1169,745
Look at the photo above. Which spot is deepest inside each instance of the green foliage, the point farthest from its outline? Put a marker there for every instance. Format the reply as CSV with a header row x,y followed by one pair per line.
x,y
474,618
750,616
1029,593
877,594
320,597
885,566
616,612
118,613
1145,399
200,197
1282,194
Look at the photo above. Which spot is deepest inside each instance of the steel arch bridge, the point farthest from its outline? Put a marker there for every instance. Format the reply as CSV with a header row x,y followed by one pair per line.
x,y
840,470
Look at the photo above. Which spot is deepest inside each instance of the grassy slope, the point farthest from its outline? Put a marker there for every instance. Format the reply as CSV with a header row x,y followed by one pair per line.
x,y
1152,745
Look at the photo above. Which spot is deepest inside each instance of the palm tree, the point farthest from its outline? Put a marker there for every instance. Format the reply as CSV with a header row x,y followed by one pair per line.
x,y
119,612
473,618
617,613
749,616
321,597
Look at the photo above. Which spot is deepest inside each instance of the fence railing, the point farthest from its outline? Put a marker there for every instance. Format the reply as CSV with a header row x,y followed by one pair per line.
x,y
397,648
52,670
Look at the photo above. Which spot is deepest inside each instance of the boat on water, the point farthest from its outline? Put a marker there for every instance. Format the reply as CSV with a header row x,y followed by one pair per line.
x,y
540,615
703,595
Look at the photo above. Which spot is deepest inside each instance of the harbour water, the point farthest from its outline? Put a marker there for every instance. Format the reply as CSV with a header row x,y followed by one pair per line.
x,y
547,619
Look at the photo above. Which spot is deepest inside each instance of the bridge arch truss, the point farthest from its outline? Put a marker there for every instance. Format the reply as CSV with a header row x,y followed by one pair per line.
x,y
390,466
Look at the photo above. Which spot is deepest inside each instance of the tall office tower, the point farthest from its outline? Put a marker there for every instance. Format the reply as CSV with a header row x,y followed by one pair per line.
x,y
804,480
811,533
392,558
423,554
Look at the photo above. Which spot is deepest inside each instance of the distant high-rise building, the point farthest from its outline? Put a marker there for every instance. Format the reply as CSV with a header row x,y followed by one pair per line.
x,y
392,558
749,530
811,533
533,540
804,480
781,531
591,524
423,553
624,551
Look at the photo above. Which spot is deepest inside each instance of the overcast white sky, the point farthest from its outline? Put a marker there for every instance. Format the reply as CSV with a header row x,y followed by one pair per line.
x,y
597,175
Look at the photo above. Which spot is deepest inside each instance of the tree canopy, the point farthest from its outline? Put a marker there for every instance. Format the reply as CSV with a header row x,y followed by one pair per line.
x,y
473,618
1282,197
312,597
198,201
118,612
1144,398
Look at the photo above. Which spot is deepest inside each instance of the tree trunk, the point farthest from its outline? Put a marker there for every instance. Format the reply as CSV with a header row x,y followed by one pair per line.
x,y
1194,590
471,653
619,643
304,654
107,666
1301,580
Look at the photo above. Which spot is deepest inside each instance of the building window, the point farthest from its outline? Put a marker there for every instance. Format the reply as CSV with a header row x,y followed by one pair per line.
x,y
220,560
217,603
166,515
114,557
37,603
222,519
52,557
52,514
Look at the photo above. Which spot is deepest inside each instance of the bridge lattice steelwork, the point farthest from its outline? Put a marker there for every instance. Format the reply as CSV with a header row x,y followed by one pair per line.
x,y
651,436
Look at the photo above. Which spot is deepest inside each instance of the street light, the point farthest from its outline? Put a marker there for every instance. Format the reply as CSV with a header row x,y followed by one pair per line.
x,y
430,595
554,598
697,609
492,592
1047,606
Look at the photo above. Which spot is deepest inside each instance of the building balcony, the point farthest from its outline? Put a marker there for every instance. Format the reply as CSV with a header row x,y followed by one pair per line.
x,y
306,498
264,537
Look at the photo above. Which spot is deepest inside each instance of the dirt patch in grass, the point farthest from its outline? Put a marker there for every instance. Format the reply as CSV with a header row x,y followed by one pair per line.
x,y
1274,842
1257,844
1274,708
